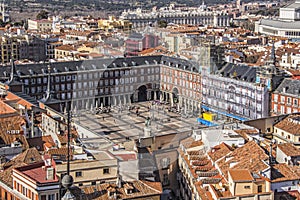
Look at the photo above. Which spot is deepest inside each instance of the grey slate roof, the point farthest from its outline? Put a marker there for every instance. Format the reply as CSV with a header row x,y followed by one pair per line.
x,y
96,64
241,72
291,86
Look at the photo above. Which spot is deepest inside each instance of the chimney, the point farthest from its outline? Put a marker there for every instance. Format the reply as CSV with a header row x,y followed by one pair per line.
x,y
50,173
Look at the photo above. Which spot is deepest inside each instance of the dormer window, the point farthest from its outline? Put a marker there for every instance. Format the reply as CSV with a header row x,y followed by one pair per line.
x,y
128,188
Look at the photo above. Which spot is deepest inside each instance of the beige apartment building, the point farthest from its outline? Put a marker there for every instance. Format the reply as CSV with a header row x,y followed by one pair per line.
x,y
91,172
242,182
112,23
43,25
287,130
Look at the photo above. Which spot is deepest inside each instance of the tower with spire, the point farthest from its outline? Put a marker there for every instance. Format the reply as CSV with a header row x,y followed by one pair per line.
x,y
14,83
48,99
269,74
202,7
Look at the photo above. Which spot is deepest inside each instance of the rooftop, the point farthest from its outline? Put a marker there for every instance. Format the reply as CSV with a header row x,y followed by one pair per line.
x,y
240,175
138,189
290,124
250,157
37,173
289,149
284,172
5,109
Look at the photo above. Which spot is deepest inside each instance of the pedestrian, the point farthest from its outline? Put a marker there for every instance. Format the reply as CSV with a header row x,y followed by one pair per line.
x,y
103,118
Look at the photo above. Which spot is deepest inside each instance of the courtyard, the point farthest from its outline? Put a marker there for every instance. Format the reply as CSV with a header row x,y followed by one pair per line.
x,y
123,123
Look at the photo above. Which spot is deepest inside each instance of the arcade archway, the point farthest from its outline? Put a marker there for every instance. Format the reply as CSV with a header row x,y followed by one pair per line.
x,y
142,93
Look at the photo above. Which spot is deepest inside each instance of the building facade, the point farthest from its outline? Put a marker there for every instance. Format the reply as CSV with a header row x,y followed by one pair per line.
x,y
137,42
286,98
234,92
110,81
199,16
43,25
287,25
286,131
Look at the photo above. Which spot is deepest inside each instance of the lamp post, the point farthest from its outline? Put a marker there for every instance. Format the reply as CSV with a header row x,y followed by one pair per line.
x,y
67,180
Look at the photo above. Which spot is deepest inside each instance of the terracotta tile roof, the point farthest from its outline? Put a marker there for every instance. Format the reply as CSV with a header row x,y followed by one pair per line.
x,y
203,193
289,149
290,124
65,47
284,172
240,175
29,156
19,100
39,142
140,189
219,151
250,156
6,109
190,143
60,151
246,132
9,124
62,138
79,33
6,175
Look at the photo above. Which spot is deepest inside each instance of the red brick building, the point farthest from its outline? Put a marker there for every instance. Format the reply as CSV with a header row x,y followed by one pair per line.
x,y
286,98
181,86
138,42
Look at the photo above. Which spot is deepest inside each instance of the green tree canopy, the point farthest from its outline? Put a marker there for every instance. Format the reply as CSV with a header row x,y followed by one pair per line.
x,y
42,15
162,23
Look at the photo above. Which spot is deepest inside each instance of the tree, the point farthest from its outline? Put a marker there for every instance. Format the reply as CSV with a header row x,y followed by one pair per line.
x,y
162,24
42,15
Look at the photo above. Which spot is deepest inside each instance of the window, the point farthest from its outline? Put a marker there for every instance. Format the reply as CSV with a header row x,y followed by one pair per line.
x,y
282,99
43,197
247,187
84,76
78,174
93,182
165,162
51,197
275,97
259,188
289,101
106,171
166,180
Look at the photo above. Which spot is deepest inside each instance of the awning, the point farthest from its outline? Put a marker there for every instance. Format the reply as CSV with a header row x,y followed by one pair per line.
x,y
223,113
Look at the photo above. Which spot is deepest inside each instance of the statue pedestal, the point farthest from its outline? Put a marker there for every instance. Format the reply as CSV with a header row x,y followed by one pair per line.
x,y
147,132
